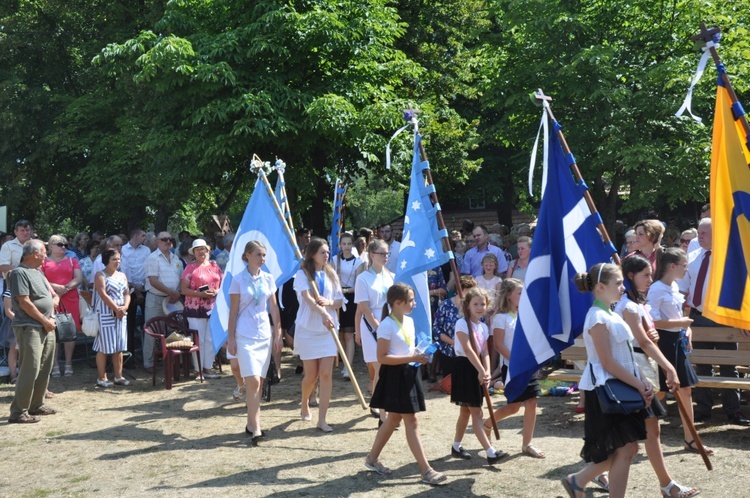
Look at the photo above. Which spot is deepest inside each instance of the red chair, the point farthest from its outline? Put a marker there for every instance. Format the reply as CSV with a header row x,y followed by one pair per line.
x,y
180,317
160,328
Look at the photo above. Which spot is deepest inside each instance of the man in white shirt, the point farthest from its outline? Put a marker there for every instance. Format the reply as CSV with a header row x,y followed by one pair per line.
x,y
163,272
11,251
694,284
385,232
133,265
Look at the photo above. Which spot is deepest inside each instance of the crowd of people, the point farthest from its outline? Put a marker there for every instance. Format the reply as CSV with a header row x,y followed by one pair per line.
x,y
641,337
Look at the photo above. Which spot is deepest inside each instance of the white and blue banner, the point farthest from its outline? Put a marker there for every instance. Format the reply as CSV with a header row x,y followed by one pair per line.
x,y
264,222
566,241
421,247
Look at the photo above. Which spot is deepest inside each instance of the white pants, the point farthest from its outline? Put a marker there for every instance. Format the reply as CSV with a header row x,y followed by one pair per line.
x,y
206,342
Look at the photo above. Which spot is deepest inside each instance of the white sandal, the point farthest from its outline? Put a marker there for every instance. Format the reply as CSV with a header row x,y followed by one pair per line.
x,y
684,491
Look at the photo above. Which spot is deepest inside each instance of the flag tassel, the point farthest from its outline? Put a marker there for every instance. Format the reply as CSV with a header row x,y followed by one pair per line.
x,y
708,35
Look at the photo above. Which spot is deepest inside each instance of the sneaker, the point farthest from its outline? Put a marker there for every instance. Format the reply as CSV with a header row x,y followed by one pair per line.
x,y
122,381
103,383
344,374
211,376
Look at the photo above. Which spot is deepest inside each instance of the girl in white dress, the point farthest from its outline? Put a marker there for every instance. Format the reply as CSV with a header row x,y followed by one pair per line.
x,y
370,295
252,297
315,318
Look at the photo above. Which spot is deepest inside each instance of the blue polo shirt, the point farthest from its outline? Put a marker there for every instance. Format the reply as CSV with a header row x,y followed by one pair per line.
x,y
473,261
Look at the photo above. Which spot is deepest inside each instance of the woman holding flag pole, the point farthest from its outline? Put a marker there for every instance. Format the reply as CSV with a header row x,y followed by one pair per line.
x,y
319,293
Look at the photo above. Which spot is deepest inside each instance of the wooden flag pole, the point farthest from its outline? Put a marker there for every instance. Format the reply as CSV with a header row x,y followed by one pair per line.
x,y
262,175
602,229
576,172
342,352
454,267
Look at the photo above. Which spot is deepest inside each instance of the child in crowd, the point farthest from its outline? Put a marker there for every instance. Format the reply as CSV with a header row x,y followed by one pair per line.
x,y
504,325
471,372
399,388
489,280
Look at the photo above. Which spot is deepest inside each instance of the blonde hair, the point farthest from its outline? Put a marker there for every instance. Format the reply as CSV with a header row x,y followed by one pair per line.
x,y
471,294
507,288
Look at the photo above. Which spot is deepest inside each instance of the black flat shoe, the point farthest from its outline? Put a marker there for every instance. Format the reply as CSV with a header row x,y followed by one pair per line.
x,y
499,455
461,453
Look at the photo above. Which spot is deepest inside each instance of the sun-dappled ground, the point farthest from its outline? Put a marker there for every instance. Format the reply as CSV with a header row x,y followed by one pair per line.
x,y
190,441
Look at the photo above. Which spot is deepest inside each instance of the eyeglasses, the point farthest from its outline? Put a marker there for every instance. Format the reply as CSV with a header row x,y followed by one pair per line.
x,y
166,239
62,244
384,254
685,241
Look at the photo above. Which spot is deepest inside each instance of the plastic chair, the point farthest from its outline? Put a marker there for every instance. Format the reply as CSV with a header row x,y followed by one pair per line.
x,y
159,328
180,317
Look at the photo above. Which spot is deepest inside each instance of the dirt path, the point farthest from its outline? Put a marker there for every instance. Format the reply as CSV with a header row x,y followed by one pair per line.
x,y
132,441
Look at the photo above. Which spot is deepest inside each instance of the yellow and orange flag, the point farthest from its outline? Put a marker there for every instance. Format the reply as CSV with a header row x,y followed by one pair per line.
x,y
728,294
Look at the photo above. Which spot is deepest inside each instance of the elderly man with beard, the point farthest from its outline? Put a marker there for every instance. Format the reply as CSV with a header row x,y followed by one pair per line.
x,y
34,325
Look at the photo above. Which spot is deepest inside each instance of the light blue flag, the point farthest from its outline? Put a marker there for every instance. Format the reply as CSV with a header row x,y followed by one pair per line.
x,y
280,194
421,248
566,241
262,221
339,193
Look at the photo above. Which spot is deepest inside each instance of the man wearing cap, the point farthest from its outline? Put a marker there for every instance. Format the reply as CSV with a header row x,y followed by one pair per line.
x,y
133,265
11,251
34,326
163,271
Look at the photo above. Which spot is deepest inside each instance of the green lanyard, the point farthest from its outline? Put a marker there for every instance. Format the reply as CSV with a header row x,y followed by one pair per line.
x,y
409,340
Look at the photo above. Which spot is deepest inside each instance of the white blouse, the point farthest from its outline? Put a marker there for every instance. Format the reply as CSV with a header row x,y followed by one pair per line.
x,y
619,341
642,310
308,318
390,330
481,335
507,323
666,302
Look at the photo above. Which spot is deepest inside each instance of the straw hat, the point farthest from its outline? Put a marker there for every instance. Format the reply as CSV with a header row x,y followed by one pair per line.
x,y
198,243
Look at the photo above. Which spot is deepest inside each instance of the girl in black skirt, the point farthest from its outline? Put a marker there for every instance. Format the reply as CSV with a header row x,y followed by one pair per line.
x,y
471,371
399,388
637,272
610,441
504,326
666,303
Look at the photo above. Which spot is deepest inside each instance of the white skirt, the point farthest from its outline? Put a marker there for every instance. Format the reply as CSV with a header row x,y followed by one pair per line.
x,y
254,356
312,344
369,343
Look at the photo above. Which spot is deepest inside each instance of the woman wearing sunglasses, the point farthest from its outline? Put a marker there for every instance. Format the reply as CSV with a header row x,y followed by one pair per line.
x,y
64,275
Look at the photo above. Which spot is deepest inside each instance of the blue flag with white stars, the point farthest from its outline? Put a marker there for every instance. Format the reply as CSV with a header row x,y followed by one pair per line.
x,y
421,247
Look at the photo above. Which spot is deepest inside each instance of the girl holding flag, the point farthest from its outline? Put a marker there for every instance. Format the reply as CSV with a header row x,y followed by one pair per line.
x,y
252,297
399,390
316,318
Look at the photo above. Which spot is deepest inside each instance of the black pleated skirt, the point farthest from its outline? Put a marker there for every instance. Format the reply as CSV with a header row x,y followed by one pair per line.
x,y
532,390
603,434
669,344
399,389
465,388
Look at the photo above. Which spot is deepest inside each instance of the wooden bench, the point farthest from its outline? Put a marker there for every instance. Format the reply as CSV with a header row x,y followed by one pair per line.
x,y
740,358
